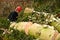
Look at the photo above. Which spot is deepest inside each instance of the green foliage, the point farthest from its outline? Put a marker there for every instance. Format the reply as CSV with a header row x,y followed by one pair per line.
x,y
1,31
50,6
34,17
4,23
56,25
17,35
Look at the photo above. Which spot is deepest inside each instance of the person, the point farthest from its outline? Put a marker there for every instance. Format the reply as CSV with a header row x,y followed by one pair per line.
x,y
14,14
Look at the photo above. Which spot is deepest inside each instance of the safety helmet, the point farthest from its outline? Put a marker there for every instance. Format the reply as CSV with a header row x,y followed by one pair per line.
x,y
18,8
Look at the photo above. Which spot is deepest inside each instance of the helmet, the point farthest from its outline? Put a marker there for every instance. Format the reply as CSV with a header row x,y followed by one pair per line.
x,y
18,8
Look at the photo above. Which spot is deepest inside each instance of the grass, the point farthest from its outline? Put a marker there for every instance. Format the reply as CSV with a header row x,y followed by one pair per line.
x,y
4,23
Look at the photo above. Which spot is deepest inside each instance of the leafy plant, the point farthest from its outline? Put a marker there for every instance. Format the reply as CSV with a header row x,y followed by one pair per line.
x,y
17,35
4,23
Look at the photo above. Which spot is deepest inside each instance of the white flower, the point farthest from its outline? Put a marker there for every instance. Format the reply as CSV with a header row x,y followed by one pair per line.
x,y
28,10
13,24
36,30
